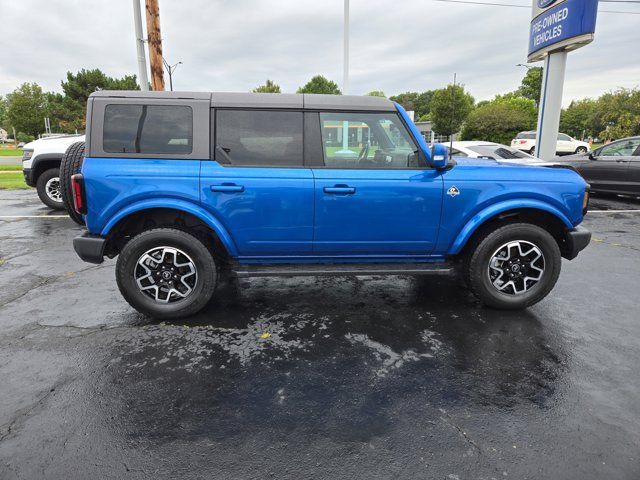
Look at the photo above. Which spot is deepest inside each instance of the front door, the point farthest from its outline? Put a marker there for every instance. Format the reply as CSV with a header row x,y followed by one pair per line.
x,y
375,195
609,167
257,185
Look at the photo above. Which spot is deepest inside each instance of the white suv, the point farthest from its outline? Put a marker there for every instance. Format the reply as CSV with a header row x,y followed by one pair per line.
x,y
41,166
526,141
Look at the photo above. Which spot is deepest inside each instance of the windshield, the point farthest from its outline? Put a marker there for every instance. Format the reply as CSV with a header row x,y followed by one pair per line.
x,y
499,151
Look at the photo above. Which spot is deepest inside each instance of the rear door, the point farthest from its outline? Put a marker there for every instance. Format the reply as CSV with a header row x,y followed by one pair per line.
x,y
258,186
375,195
608,170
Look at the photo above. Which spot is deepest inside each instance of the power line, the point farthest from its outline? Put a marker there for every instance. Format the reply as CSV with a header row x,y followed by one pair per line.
x,y
493,4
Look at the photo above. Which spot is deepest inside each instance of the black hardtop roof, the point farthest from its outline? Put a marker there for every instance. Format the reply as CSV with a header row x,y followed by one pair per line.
x,y
263,100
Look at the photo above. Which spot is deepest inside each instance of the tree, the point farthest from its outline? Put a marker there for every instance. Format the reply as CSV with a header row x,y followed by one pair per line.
x,y
500,120
531,84
320,84
408,100
578,118
26,109
618,114
4,122
268,87
376,93
68,111
450,107
420,103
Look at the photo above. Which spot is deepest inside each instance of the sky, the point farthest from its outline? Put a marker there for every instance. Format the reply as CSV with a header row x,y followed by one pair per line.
x,y
235,45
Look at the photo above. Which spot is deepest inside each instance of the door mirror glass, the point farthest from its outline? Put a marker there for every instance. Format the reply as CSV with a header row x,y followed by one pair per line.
x,y
439,156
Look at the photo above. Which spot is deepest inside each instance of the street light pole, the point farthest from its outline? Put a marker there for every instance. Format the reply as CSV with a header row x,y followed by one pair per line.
x,y
142,59
345,80
345,73
170,70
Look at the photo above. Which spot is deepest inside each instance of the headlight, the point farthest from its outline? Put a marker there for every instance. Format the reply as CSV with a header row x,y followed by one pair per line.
x,y
26,155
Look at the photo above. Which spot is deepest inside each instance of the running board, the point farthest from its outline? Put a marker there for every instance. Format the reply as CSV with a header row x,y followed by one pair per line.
x,y
337,269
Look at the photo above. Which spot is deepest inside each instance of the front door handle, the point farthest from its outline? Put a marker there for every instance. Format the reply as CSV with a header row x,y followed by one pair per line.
x,y
227,188
340,190
622,161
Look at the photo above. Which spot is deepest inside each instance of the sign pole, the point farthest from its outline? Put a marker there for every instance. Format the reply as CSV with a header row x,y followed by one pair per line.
x,y
550,104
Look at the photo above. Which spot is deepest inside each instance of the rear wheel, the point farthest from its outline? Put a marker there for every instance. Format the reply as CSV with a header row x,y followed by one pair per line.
x,y
514,266
48,187
166,273
70,165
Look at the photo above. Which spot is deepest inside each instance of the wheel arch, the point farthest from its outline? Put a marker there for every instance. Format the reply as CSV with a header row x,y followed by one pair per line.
x,y
44,162
150,214
535,212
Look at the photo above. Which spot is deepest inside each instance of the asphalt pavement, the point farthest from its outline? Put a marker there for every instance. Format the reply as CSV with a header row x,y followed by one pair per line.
x,y
359,378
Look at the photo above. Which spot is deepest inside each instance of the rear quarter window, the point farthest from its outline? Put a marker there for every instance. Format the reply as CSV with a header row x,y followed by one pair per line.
x,y
148,129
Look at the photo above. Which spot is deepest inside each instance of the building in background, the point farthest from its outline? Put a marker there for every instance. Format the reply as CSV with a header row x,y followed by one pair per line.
x,y
425,130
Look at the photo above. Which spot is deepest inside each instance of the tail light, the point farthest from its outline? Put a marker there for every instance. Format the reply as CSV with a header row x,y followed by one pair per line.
x,y
585,201
79,198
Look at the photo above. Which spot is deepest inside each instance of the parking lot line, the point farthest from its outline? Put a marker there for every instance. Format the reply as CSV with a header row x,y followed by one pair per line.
x,y
34,216
613,211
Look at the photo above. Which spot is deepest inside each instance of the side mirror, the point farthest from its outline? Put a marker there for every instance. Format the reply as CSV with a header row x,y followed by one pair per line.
x,y
439,156
592,156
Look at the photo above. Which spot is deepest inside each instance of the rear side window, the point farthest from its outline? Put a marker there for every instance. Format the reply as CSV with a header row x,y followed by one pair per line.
x,y
526,136
259,138
148,129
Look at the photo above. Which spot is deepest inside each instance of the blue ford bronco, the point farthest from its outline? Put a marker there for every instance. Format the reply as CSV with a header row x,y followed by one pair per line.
x,y
181,186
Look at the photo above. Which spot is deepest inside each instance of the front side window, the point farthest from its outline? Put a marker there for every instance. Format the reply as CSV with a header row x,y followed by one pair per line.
x,y
624,148
148,129
259,138
367,140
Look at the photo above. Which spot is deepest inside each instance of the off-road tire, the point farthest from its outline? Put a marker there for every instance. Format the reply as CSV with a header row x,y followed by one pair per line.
x,y
476,265
166,237
41,187
70,165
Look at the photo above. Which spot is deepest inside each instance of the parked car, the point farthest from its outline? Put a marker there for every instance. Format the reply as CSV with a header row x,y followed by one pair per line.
x,y
526,141
179,186
612,168
496,151
41,166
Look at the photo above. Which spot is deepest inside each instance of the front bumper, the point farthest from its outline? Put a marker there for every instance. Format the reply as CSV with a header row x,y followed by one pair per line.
x,y
577,240
90,248
28,177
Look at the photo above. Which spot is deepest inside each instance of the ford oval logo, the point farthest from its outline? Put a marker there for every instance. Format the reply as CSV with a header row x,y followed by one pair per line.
x,y
546,3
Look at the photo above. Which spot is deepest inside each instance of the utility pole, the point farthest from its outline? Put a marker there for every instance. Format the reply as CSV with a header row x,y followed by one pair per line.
x,y
143,79
155,45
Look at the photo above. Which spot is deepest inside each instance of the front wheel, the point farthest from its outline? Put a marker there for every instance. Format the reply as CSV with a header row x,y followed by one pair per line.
x,y
514,266
166,273
581,150
48,188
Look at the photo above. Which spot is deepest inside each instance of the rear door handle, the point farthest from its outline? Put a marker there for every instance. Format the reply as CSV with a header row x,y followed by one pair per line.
x,y
340,190
227,188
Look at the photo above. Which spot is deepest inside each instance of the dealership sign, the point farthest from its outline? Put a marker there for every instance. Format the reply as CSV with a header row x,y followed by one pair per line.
x,y
561,25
